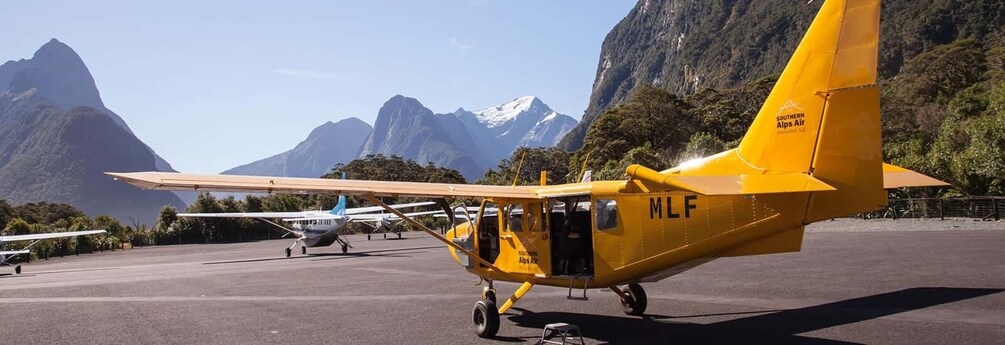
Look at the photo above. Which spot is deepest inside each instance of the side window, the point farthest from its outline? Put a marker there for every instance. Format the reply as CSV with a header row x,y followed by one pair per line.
x,y
515,215
607,214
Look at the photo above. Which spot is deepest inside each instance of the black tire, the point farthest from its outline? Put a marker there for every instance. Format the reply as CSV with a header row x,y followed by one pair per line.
x,y
399,235
303,250
491,296
385,235
486,319
289,252
635,303
367,237
345,249
17,269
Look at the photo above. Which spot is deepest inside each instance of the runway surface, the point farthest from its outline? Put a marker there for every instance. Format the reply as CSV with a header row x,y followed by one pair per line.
x,y
928,282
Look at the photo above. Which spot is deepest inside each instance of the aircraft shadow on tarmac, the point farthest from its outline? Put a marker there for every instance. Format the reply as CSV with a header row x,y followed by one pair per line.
x,y
396,252
773,328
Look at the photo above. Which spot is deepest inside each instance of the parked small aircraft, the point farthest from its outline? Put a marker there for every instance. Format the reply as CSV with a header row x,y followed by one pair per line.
x,y
322,228
34,238
813,152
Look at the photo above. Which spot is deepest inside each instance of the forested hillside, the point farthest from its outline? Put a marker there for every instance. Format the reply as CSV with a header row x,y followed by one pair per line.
x,y
685,46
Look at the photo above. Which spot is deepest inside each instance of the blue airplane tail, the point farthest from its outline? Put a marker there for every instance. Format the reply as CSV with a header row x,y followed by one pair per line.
x,y
339,209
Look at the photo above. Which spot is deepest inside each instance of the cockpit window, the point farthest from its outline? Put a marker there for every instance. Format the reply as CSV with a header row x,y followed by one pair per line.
x,y
607,214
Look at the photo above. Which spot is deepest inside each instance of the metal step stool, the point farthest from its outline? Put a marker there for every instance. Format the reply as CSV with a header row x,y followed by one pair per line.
x,y
563,330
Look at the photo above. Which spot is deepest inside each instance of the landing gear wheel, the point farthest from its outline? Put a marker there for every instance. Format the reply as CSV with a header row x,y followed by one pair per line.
x,y
303,250
367,237
289,252
399,235
635,303
17,269
490,295
345,249
486,319
385,235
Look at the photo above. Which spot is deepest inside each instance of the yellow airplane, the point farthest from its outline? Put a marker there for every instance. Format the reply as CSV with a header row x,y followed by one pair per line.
x,y
814,152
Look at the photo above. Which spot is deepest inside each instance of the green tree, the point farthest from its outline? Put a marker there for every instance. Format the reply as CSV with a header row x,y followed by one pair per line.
x,y
535,160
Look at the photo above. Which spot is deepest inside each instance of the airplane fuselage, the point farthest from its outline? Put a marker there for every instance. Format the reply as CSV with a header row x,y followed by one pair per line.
x,y
617,233
319,232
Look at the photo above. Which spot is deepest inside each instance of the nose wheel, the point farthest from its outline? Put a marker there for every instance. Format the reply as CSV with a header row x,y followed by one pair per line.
x,y
634,300
303,250
486,318
345,248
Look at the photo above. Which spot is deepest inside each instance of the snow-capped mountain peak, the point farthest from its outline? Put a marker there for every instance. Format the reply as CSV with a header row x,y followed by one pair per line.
x,y
500,114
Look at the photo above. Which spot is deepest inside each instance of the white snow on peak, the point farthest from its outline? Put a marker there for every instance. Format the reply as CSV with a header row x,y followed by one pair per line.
x,y
498,115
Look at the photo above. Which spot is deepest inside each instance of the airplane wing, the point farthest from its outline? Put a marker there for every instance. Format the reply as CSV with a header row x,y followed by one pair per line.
x,y
897,177
376,216
370,209
294,185
31,237
303,214
14,252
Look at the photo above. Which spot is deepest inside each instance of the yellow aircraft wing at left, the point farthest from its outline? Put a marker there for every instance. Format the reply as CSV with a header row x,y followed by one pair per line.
x,y
293,185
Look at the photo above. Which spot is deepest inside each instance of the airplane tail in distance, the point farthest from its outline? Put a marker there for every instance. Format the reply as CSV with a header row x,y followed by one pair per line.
x,y
339,209
822,117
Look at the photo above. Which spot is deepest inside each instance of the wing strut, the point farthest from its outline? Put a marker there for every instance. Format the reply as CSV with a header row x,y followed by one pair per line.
x,y
437,236
299,234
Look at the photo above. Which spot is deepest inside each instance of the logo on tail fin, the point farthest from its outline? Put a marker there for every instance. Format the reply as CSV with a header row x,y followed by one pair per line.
x,y
790,118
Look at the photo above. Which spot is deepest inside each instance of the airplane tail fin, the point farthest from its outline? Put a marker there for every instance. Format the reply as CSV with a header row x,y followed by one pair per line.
x,y
339,209
822,117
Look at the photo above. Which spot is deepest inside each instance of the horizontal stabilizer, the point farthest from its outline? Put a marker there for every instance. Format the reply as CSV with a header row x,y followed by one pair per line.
x,y
733,184
897,177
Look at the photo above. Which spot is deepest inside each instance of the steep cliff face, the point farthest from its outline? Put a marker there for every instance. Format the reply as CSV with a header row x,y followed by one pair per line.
x,y
406,128
48,154
326,146
685,46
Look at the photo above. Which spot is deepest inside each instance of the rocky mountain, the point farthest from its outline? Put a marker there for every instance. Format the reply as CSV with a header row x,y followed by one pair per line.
x,y
59,156
404,127
56,137
60,76
327,145
685,46
522,122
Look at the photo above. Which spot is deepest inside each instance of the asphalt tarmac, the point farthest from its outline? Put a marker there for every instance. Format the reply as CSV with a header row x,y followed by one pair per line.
x,y
889,282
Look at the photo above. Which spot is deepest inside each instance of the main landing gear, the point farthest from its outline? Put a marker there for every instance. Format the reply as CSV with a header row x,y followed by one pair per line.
x,y
633,299
485,314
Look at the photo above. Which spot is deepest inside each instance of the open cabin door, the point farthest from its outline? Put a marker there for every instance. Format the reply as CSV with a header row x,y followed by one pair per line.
x,y
525,244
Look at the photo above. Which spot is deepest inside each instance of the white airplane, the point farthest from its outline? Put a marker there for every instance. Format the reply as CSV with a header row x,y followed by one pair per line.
x,y
6,255
321,228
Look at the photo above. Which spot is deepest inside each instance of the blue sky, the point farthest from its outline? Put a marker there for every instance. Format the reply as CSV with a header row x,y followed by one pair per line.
x,y
214,84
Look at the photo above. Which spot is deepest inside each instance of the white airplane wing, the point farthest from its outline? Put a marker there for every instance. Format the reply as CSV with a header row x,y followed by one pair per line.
x,y
254,214
31,237
375,216
325,216
14,252
370,209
